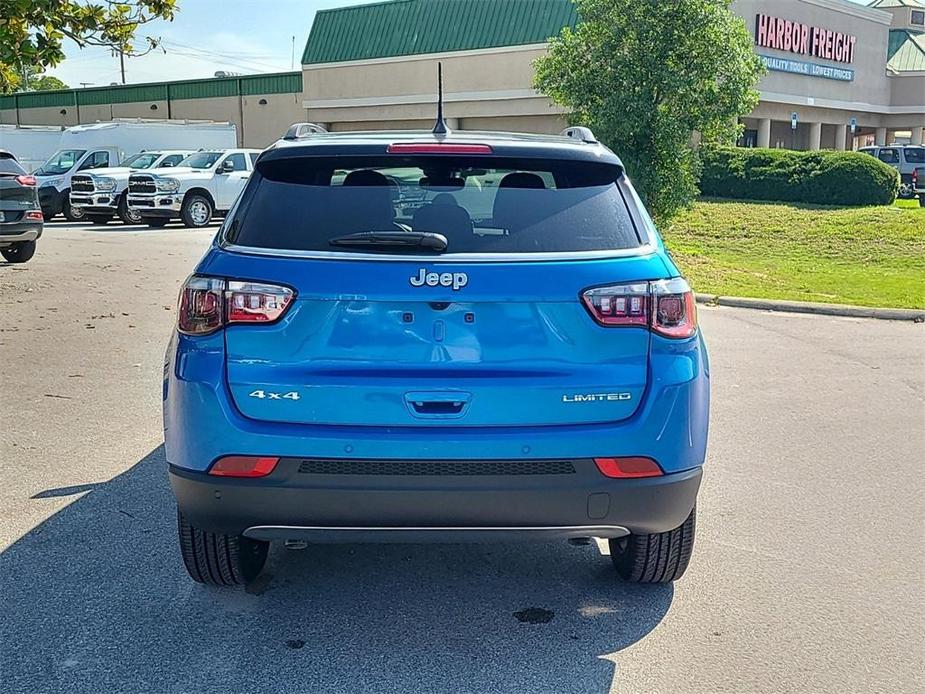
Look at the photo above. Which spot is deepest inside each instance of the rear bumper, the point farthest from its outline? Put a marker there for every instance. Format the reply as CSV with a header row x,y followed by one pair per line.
x,y
16,232
294,504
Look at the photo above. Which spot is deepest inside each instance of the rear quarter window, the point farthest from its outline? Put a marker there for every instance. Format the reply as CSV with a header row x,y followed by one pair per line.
x,y
8,165
481,205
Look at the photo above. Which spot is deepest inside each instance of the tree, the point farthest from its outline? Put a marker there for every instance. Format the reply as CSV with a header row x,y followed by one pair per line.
x,y
32,31
645,76
46,83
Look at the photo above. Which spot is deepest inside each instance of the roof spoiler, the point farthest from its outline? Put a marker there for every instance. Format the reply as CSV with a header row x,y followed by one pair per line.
x,y
298,130
580,133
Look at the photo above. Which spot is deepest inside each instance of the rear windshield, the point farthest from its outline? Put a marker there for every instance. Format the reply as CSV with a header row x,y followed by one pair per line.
x,y
479,205
8,165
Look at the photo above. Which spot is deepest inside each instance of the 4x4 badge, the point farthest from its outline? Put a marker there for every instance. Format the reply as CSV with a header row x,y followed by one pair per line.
x,y
456,280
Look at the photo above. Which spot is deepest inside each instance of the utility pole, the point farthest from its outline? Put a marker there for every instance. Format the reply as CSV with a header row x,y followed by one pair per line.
x,y
292,58
121,61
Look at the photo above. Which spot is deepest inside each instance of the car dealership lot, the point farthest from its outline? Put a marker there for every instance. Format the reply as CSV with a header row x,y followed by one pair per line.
x,y
807,573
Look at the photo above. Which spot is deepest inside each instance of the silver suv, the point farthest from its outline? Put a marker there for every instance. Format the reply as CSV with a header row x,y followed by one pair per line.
x,y
903,158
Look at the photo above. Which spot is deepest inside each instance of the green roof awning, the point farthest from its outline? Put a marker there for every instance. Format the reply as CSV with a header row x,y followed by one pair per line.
x,y
415,27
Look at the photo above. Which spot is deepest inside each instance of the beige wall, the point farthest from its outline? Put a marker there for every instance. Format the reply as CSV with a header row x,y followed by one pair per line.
x,y
493,86
50,115
8,117
225,108
909,90
517,124
266,123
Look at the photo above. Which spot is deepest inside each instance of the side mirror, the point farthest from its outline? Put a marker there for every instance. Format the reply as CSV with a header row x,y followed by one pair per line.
x,y
227,166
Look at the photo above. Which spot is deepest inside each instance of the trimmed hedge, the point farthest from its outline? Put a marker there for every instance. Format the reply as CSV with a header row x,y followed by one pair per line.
x,y
822,177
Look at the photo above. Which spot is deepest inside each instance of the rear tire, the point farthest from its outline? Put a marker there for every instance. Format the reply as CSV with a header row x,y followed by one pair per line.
x,y
155,221
196,211
220,560
922,200
99,219
19,252
656,558
126,214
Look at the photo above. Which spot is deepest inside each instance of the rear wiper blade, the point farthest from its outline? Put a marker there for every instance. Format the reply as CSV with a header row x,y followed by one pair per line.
x,y
417,239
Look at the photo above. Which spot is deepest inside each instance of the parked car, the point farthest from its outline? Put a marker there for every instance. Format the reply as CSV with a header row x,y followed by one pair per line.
x,y
918,184
903,158
202,185
104,193
515,358
102,145
20,216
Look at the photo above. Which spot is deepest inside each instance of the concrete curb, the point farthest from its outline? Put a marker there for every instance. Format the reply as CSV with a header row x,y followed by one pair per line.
x,y
906,314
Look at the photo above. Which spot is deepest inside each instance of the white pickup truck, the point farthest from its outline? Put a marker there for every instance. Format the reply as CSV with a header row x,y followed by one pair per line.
x,y
207,183
103,193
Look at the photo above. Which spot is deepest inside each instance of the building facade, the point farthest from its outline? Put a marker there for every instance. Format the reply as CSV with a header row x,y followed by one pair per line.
x,y
840,75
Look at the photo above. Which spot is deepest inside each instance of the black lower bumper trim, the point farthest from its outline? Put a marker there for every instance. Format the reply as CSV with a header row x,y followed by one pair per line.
x,y
334,504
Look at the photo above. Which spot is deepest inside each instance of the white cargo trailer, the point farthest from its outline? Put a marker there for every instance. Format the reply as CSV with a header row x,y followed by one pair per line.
x,y
106,144
30,144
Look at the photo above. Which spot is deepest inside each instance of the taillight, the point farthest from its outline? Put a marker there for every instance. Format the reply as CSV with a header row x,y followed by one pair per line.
x,y
209,303
26,180
249,302
34,216
666,307
243,466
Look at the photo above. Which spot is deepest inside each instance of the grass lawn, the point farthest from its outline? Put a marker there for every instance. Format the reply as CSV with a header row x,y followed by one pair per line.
x,y
866,256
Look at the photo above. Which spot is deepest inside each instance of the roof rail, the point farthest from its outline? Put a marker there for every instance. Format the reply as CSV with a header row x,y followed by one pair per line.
x,y
580,133
297,130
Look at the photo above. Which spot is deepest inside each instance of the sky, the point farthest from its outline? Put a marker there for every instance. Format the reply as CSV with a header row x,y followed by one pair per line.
x,y
244,36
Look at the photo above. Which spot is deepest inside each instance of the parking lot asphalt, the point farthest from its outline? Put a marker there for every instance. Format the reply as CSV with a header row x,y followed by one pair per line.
x,y
807,574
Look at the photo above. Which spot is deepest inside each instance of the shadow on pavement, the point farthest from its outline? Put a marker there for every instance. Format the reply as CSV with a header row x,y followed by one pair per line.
x,y
95,600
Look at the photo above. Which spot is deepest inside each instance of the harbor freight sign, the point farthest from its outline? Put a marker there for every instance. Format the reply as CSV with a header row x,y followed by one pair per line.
x,y
800,67
803,39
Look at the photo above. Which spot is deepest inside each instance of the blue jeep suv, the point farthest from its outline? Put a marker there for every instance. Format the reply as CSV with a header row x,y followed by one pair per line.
x,y
408,336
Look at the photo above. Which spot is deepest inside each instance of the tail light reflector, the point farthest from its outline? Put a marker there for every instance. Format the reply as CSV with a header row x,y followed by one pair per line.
x,y
209,303
666,307
243,466
628,467
34,216
26,180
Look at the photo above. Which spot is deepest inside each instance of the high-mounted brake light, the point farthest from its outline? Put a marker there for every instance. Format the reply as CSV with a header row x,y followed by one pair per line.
x,y
243,466
666,307
209,303
631,467
436,148
26,180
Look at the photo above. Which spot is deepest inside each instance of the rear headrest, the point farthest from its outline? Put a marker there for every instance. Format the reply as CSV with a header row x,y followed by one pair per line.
x,y
521,179
511,210
365,177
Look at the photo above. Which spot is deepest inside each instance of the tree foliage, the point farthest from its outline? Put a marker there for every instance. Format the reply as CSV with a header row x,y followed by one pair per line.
x,y
45,83
32,31
645,76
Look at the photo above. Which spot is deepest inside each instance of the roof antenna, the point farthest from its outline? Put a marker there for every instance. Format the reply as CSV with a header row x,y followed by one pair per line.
x,y
440,126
